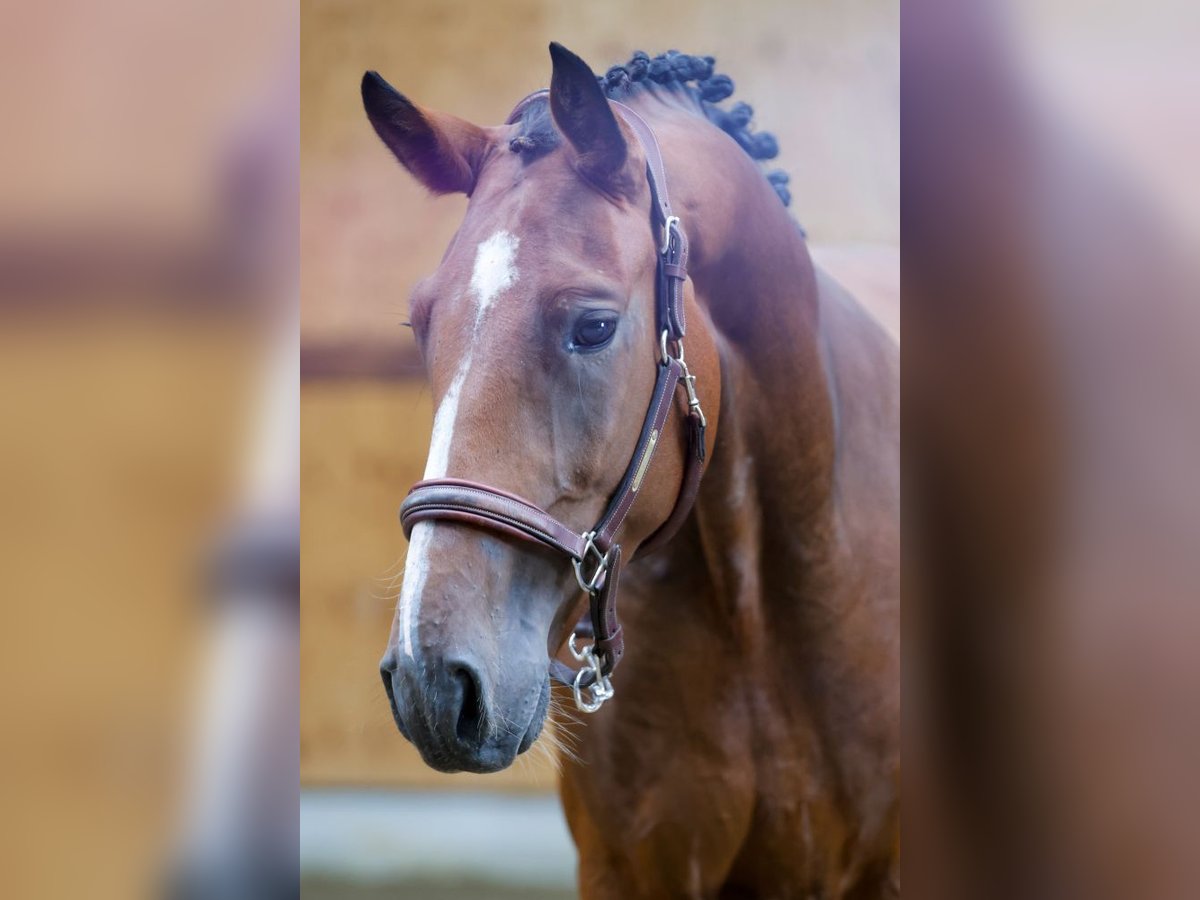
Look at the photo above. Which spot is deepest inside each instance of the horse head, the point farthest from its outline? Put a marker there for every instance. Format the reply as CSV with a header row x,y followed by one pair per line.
x,y
538,333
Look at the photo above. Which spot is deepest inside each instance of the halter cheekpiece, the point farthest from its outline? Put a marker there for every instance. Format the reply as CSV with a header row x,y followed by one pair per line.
x,y
596,554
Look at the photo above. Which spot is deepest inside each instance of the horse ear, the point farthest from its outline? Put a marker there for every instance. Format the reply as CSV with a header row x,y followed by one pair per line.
x,y
581,112
441,151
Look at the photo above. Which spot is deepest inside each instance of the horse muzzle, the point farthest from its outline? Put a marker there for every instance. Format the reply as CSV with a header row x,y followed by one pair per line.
x,y
446,708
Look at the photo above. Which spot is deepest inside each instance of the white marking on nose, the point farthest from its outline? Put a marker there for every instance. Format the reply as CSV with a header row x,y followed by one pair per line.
x,y
495,272
416,569
443,424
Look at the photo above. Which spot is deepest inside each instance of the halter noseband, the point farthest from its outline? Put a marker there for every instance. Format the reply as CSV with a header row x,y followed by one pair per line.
x,y
595,554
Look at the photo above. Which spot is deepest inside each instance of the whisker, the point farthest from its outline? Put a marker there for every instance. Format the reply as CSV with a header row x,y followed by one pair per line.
x,y
549,740
398,564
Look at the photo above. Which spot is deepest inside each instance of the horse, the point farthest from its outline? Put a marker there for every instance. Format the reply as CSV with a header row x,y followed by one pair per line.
x,y
749,744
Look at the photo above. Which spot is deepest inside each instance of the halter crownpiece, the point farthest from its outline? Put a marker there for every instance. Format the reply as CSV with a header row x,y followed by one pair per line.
x,y
596,554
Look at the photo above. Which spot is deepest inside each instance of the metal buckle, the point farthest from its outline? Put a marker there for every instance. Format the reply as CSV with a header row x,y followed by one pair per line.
x,y
669,225
688,379
590,585
601,688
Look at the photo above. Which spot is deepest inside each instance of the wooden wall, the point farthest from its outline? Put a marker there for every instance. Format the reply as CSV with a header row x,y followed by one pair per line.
x,y
364,443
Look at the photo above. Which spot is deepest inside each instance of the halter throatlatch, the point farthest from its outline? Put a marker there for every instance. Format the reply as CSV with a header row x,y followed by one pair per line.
x,y
596,554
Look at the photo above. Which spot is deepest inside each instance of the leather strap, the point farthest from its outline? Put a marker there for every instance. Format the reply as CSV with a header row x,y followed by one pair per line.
x,y
648,442
673,251
524,102
693,470
480,504
460,500
673,246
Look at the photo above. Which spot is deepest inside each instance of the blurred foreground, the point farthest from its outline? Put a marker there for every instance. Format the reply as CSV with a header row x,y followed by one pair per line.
x,y
1052,433
148,470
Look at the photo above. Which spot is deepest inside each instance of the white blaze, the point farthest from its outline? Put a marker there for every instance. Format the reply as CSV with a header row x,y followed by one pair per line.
x,y
495,271
443,424
415,571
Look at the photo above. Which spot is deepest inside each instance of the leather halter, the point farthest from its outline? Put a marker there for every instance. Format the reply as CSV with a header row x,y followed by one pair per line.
x,y
596,554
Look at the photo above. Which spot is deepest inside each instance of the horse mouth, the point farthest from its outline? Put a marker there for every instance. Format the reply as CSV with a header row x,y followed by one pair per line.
x,y
482,754
538,721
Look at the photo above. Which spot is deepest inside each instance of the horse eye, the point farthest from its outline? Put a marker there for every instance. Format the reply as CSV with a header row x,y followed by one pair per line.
x,y
594,330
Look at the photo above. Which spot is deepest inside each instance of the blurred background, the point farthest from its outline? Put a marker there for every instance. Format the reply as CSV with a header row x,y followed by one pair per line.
x,y
823,77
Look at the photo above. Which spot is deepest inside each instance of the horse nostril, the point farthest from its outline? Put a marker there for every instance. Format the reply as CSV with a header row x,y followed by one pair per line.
x,y
386,675
387,670
471,720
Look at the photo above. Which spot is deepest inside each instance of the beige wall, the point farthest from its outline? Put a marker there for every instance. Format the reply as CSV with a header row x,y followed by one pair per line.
x,y
823,77
363,444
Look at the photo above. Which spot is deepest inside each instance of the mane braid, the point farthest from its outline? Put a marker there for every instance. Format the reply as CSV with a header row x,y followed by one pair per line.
x,y
696,76
538,134
673,71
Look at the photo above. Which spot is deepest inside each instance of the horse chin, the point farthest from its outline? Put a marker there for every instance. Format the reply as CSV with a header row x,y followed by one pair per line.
x,y
538,721
495,754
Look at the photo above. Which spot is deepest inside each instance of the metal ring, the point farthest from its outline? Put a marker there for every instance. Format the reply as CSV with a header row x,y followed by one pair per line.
x,y
590,585
581,655
666,356
601,688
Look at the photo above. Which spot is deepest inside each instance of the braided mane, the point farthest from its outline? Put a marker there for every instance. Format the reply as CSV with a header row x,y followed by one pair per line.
x,y
668,71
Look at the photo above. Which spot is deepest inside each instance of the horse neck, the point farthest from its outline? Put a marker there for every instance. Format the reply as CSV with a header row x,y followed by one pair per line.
x,y
769,485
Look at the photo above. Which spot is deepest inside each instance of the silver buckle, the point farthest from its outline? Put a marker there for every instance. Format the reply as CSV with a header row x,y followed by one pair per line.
x,y
601,688
672,222
590,585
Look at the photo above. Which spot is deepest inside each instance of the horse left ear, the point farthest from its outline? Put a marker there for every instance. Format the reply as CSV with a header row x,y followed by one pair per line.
x,y
581,112
442,151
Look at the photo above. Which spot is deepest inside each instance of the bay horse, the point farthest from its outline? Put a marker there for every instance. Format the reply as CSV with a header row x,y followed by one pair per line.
x,y
749,744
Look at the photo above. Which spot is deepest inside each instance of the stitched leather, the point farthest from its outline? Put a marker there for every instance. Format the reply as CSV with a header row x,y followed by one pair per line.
x,y
609,643
672,264
656,419
687,493
482,504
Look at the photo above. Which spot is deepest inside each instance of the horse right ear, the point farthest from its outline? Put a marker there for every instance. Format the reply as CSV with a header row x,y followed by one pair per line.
x,y
441,151
582,113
